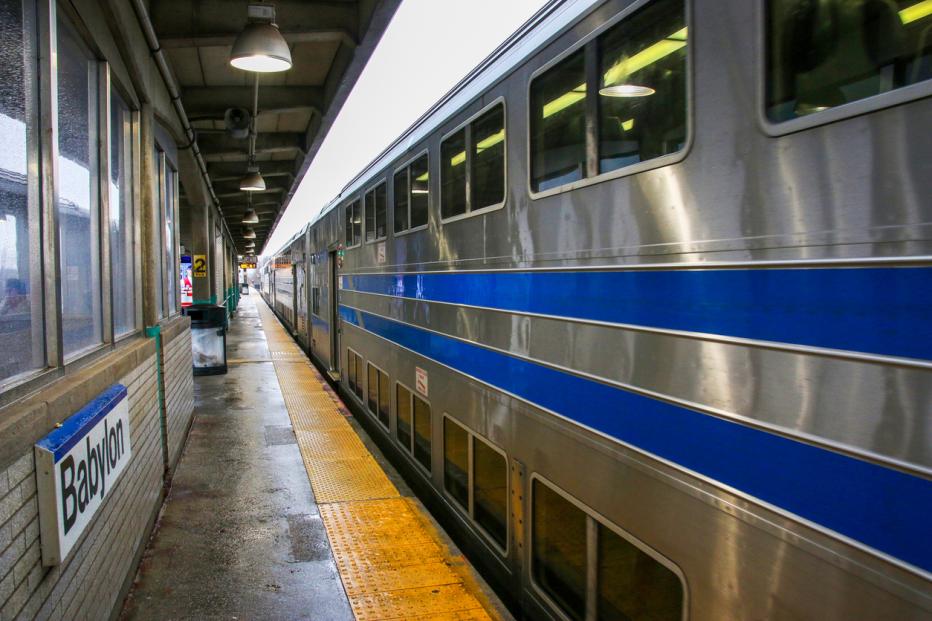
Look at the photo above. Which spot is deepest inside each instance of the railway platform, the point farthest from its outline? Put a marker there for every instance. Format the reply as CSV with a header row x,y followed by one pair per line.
x,y
282,508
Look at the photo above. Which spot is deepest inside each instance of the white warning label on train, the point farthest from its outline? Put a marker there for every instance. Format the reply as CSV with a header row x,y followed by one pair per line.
x,y
420,380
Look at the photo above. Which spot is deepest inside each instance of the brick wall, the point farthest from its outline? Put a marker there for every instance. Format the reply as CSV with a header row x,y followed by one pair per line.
x,y
179,392
89,583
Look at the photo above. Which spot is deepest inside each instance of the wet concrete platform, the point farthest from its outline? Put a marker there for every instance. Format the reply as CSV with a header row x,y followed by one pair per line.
x,y
240,536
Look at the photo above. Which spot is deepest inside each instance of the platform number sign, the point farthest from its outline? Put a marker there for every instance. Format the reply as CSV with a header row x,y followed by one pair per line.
x,y
420,380
199,266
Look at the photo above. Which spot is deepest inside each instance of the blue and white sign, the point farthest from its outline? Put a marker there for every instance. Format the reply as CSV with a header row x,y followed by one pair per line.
x,y
77,465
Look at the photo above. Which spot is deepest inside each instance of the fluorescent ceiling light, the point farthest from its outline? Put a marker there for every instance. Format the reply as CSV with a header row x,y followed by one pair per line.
x,y
420,191
261,48
916,11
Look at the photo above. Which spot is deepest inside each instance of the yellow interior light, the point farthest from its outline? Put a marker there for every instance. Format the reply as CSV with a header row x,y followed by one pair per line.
x,y
627,125
565,100
649,55
458,159
491,141
916,11
421,178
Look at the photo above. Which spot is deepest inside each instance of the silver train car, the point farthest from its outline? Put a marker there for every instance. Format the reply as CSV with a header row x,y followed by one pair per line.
x,y
642,308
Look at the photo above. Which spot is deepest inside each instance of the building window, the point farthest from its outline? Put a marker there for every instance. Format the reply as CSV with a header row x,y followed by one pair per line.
x,y
631,108
122,216
574,554
412,194
858,50
159,235
21,312
376,214
171,274
353,218
473,159
78,204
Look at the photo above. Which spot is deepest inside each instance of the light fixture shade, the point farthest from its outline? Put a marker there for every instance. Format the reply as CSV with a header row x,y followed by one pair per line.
x,y
252,182
626,90
250,217
261,48
249,233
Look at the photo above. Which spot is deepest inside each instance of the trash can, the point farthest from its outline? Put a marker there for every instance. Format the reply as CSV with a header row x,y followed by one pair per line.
x,y
244,289
208,338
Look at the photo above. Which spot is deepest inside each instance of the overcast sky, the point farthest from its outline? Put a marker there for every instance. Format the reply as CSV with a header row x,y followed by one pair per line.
x,y
426,49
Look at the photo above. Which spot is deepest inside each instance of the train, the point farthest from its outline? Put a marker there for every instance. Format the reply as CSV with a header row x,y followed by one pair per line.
x,y
641,309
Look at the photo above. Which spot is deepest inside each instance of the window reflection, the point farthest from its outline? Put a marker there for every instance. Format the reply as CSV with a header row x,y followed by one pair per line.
x,y
78,212
403,416
21,337
122,255
490,490
455,460
453,175
559,550
422,431
558,124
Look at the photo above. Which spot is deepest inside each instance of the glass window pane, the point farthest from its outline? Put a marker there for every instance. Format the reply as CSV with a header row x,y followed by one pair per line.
x,y
456,462
360,377
348,215
373,390
369,202
559,550
642,94
21,334
122,257
159,233
384,400
632,585
357,222
401,200
488,159
78,209
825,54
403,416
558,124
171,269
490,490
453,175
381,212
422,427
420,194
351,370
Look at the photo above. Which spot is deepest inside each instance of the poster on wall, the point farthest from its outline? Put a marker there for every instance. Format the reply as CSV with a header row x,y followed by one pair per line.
x,y
187,290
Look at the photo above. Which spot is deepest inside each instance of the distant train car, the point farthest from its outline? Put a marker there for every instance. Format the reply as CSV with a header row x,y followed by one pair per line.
x,y
642,309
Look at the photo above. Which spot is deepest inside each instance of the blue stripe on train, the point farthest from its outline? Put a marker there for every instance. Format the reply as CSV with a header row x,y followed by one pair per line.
x,y
883,508
874,310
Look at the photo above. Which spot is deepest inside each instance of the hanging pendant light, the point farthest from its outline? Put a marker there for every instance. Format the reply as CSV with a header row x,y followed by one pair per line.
x,y
249,233
253,181
260,47
250,216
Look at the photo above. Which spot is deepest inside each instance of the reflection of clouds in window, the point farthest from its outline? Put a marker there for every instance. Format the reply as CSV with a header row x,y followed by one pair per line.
x,y
13,153
8,235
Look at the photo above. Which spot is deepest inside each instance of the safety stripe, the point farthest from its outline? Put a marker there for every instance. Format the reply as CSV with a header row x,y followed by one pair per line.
x,y
873,310
883,508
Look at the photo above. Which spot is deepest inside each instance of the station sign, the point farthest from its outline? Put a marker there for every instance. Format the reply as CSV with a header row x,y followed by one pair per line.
x,y
247,265
199,266
77,466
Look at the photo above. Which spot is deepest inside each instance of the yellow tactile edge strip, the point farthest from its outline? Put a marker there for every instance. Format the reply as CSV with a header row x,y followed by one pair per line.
x,y
392,563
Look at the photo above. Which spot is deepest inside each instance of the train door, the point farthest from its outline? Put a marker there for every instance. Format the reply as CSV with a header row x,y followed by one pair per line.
x,y
300,305
334,312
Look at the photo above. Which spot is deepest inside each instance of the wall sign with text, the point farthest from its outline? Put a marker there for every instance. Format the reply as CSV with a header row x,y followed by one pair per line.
x,y
77,466
199,267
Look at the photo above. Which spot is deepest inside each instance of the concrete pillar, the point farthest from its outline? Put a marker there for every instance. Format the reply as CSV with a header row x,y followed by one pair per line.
x,y
200,237
149,216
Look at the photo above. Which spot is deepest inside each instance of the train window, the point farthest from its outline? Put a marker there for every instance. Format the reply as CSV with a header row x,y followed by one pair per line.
x,y
559,559
403,416
78,207
411,195
351,369
631,584
373,378
122,217
169,209
456,462
315,300
384,400
558,124
422,431
820,55
360,376
487,166
420,193
376,215
474,157
642,89
490,490
401,200
453,175
630,108
353,223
